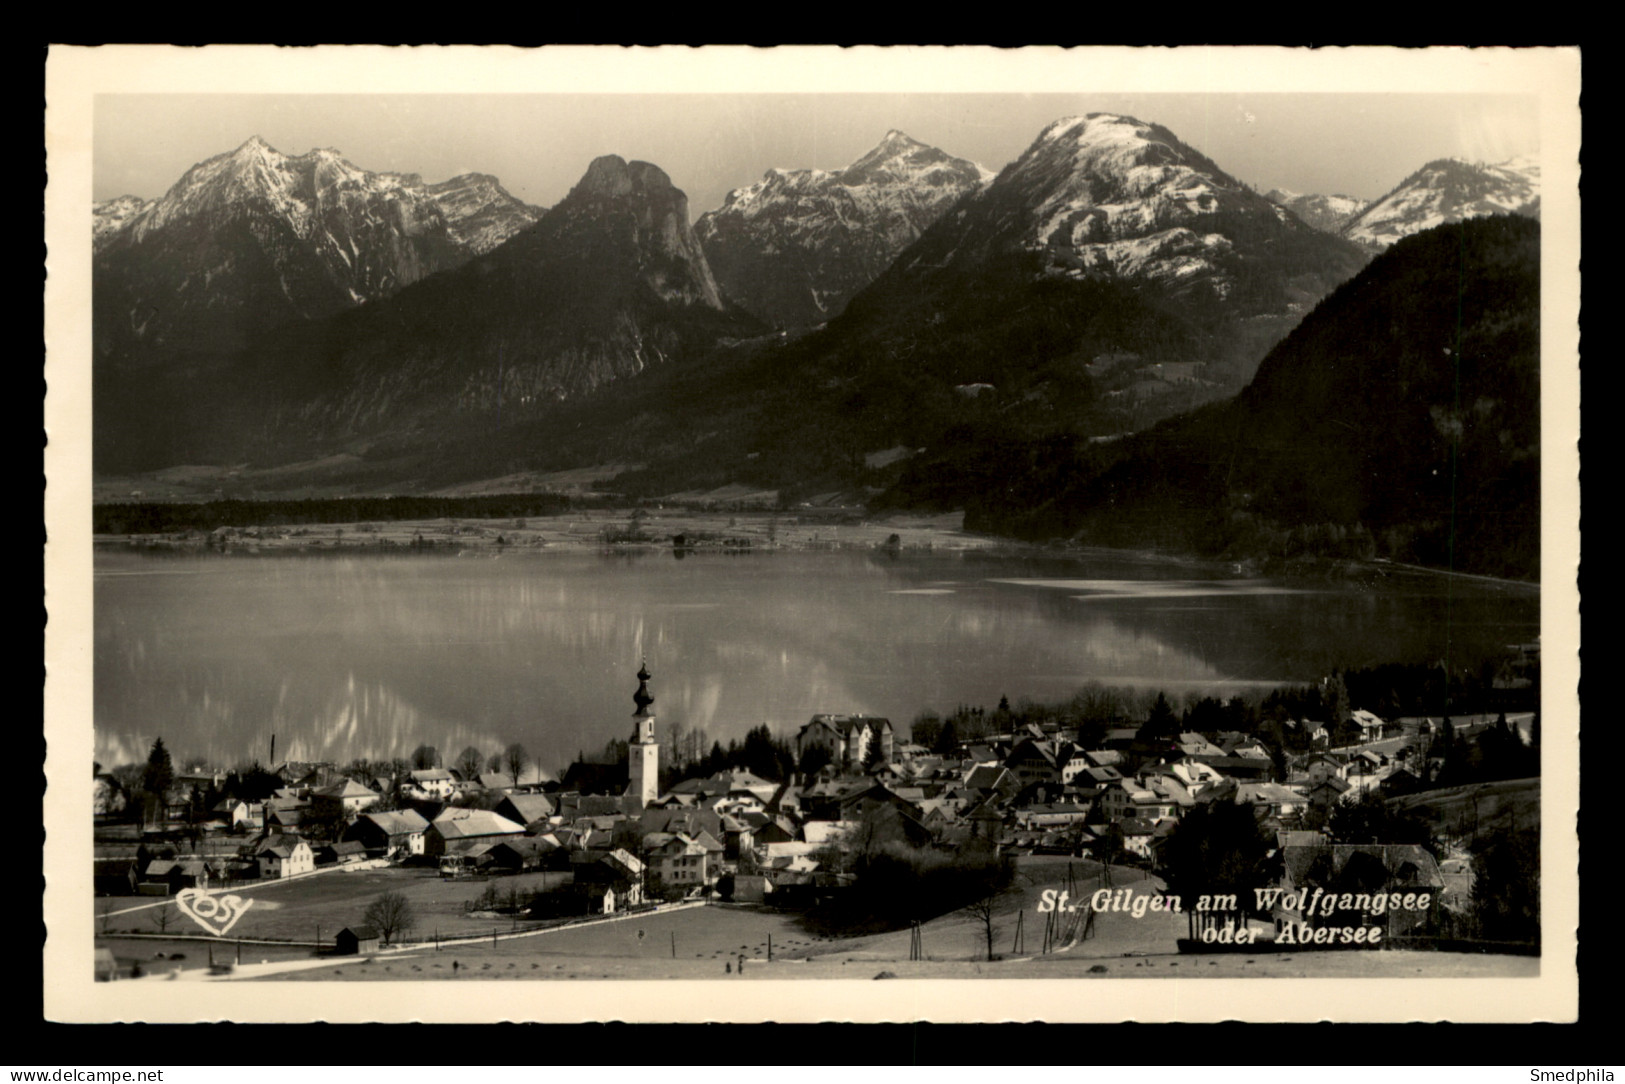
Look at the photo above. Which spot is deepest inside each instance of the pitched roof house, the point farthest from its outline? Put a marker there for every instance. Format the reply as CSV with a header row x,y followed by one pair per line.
x,y
435,783
397,832
526,808
346,796
456,825
847,738
284,856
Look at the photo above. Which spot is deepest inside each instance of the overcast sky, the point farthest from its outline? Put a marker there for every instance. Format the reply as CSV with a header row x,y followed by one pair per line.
x,y
539,145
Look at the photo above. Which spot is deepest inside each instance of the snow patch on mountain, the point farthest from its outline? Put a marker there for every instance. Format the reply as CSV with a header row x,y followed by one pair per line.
x,y
479,212
112,215
795,246
1109,196
1447,190
1323,212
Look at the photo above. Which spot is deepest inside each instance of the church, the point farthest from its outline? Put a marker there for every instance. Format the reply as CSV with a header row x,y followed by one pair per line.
x,y
643,753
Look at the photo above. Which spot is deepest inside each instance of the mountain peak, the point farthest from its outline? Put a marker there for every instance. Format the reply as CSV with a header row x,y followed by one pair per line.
x,y
793,248
606,176
255,145
612,177
1444,190
1085,123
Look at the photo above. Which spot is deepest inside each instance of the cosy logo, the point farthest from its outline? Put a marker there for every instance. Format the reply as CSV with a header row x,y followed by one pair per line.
x,y
216,914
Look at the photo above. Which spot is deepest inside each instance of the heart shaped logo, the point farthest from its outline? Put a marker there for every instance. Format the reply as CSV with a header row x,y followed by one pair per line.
x,y
216,914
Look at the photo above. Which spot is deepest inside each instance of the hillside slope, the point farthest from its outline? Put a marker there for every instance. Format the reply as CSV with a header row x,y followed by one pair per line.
x,y
1400,419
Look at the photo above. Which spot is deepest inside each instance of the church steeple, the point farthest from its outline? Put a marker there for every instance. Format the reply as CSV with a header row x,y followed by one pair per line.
x,y
642,697
643,753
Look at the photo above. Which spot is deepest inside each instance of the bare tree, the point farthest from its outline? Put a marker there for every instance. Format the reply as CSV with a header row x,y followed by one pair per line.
x,y
992,881
425,757
390,914
162,917
983,911
494,763
516,757
469,761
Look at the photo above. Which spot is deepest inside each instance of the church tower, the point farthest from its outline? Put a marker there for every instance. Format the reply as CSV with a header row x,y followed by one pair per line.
x,y
643,755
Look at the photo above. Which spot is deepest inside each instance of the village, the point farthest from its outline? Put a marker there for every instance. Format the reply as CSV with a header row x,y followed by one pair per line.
x,y
355,865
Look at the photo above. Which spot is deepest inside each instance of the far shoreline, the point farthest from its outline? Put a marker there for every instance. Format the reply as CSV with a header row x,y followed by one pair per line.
x,y
653,528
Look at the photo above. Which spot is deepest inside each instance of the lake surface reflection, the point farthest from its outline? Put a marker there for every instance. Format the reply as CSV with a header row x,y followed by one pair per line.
x,y
367,654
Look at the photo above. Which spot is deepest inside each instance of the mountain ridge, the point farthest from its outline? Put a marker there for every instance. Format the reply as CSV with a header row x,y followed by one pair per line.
x,y
253,238
794,247
1399,420
1446,190
607,283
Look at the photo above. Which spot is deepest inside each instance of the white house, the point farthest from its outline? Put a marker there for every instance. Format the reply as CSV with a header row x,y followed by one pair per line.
x,y
1370,726
434,783
680,862
285,856
346,796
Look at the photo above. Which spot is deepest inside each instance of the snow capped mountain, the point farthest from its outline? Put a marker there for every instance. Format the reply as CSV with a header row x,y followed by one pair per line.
x,y
794,247
1447,190
111,216
609,282
1108,198
480,212
1326,213
255,238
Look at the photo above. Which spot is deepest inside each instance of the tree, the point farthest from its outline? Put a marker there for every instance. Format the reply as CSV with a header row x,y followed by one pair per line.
x,y
1446,752
160,772
1161,723
425,757
1217,849
324,822
252,783
926,729
990,883
390,914
469,761
1371,819
761,753
1506,886
1334,699
814,759
493,763
156,780
874,758
516,757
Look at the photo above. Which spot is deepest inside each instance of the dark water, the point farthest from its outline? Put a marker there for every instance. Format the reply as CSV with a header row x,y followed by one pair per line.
x,y
370,655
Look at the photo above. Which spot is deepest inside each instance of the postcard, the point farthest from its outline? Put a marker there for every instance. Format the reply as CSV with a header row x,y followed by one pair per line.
x,y
809,534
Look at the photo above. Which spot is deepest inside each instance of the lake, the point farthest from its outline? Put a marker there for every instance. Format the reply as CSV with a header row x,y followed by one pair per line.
x,y
359,653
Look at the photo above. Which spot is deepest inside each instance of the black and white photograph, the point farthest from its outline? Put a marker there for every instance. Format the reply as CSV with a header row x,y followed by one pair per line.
x,y
1092,525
